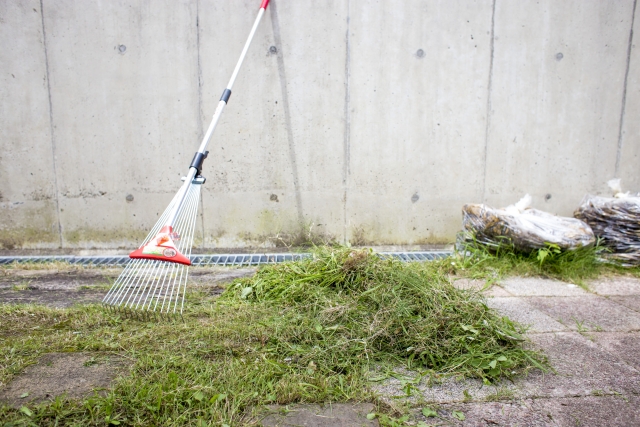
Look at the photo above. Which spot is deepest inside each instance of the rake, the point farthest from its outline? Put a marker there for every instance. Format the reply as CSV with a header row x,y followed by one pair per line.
x,y
155,279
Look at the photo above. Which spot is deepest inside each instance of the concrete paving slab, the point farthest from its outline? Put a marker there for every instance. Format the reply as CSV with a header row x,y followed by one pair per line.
x,y
581,369
589,313
571,411
513,413
536,286
52,298
618,285
447,391
218,275
519,309
496,291
629,301
479,285
72,374
333,415
64,288
626,346
61,279
610,411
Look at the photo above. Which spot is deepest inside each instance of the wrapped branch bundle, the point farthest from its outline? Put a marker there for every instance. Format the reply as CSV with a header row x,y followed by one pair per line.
x,y
522,227
615,220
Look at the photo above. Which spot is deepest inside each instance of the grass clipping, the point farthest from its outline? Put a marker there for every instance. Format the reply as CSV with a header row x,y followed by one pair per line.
x,y
342,310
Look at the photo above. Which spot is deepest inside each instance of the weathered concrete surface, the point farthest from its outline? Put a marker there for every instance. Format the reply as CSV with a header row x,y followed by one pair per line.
x,y
125,113
277,158
629,301
480,286
625,346
530,286
589,313
28,188
569,412
55,288
412,120
520,310
615,286
368,122
74,375
553,127
629,151
64,279
333,415
67,287
56,299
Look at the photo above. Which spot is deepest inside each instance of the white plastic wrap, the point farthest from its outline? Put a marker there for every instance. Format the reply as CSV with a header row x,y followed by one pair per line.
x,y
522,227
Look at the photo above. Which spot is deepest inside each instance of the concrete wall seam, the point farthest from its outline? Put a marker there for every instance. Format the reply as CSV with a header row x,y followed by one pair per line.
x,y
624,91
488,115
275,24
51,127
347,128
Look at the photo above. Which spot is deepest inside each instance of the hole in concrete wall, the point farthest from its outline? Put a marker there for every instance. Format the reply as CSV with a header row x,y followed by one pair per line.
x,y
420,53
547,197
415,197
559,56
274,198
273,50
129,197
122,48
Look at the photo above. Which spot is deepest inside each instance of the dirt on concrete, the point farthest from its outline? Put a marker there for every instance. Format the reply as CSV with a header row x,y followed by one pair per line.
x,y
57,279
331,415
74,375
62,288
55,288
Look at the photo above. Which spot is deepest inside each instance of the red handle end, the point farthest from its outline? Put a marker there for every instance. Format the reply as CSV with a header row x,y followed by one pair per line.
x,y
264,4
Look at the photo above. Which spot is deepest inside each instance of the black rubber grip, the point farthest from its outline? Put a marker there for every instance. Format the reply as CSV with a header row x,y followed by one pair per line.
x,y
197,161
225,96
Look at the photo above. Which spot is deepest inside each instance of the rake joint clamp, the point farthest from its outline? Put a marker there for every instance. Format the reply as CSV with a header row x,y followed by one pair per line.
x,y
197,161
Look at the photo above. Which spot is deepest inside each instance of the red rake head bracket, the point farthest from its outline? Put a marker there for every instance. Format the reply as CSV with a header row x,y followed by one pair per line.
x,y
162,248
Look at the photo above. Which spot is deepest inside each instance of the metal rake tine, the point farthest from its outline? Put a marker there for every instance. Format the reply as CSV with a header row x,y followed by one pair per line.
x,y
188,224
147,267
191,214
121,283
152,285
148,283
143,281
127,276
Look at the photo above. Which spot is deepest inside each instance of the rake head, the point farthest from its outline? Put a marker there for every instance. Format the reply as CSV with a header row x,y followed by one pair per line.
x,y
154,281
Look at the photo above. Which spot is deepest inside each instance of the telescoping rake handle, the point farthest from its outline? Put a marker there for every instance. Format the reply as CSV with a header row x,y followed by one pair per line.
x,y
162,246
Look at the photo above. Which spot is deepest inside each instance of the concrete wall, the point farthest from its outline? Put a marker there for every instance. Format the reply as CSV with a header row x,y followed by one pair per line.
x,y
371,122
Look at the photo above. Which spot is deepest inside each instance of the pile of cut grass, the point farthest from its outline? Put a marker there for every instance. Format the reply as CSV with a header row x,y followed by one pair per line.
x,y
346,307
307,331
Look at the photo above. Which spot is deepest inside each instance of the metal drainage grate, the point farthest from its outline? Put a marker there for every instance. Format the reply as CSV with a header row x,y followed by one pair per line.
x,y
209,260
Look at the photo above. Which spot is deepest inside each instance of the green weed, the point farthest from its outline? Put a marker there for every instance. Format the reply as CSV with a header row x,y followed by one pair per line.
x,y
575,266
